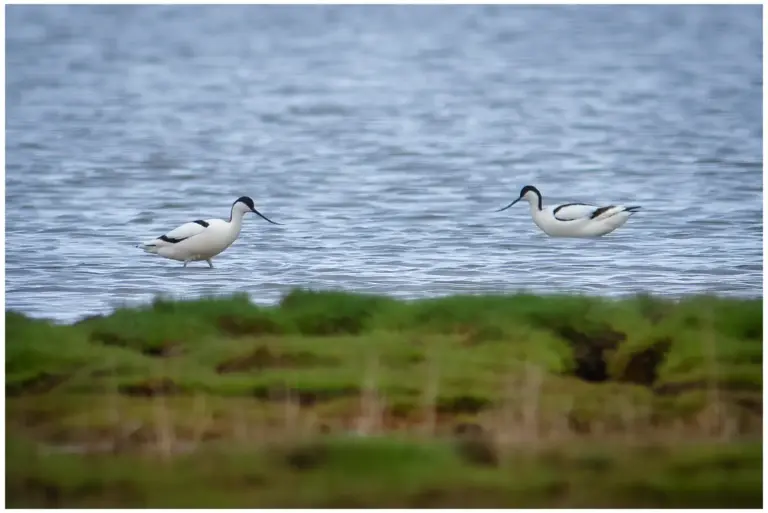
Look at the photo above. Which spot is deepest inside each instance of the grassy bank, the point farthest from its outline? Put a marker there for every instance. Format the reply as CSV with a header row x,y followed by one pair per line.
x,y
342,399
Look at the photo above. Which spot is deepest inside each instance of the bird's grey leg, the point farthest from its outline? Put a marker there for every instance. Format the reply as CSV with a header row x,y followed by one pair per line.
x,y
186,262
210,264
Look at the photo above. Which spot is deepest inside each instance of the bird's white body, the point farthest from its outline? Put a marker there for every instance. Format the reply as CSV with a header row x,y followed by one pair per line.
x,y
574,219
197,241
202,239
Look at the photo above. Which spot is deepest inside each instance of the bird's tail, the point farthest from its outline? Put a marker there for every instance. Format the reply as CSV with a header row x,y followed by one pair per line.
x,y
632,209
149,246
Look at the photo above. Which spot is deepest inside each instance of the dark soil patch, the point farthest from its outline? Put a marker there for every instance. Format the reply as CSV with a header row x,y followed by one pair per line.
x,y
642,367
263,358
151,388
305,398
462,404
589,351
39,384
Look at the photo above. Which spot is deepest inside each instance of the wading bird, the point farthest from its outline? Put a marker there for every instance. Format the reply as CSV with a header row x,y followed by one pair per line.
x,y
573,219
202,239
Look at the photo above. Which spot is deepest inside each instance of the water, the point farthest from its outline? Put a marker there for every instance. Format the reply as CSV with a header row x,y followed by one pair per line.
x,y
384,138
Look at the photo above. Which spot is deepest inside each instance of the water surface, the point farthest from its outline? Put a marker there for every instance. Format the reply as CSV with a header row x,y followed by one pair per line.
x,y
383,138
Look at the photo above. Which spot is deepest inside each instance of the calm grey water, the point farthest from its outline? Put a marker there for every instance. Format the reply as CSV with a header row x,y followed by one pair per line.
x,y
384,138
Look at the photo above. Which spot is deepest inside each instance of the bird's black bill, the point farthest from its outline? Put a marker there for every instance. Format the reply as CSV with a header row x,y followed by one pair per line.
x,y
499,210
264,217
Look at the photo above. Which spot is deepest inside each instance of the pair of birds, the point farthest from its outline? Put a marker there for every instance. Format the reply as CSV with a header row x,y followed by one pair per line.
x,y
204,239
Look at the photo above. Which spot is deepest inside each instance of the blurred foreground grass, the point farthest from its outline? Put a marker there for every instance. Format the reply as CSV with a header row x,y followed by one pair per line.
x,y
334,399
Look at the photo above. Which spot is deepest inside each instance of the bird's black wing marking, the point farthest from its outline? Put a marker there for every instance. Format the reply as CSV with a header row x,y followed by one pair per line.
x,y
169,239
202,223
554,212
600,210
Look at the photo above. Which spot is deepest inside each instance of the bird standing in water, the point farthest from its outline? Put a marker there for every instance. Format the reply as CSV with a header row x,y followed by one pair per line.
x,y
202,239
573,219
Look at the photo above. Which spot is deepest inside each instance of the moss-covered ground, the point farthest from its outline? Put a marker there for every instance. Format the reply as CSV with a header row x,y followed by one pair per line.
x,y
334,399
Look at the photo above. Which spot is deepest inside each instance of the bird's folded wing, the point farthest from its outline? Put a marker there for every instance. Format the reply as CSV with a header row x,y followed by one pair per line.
x,y
183,232
573,211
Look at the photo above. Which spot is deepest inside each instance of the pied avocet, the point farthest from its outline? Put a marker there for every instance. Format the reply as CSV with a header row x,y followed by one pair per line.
x,y
573,219
202,239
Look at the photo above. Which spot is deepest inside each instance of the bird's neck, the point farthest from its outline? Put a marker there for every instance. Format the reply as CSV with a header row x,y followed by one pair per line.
x,y
536,205
235,220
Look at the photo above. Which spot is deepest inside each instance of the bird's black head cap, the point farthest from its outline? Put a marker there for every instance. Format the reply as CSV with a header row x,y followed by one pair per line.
x,y
248,201
529,188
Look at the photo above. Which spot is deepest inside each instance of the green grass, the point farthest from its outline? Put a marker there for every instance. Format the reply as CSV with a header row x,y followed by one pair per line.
x,y
394,473
228,378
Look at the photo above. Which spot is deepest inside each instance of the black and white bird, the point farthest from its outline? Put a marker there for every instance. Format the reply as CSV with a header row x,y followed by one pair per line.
x,y
573,219
202,239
